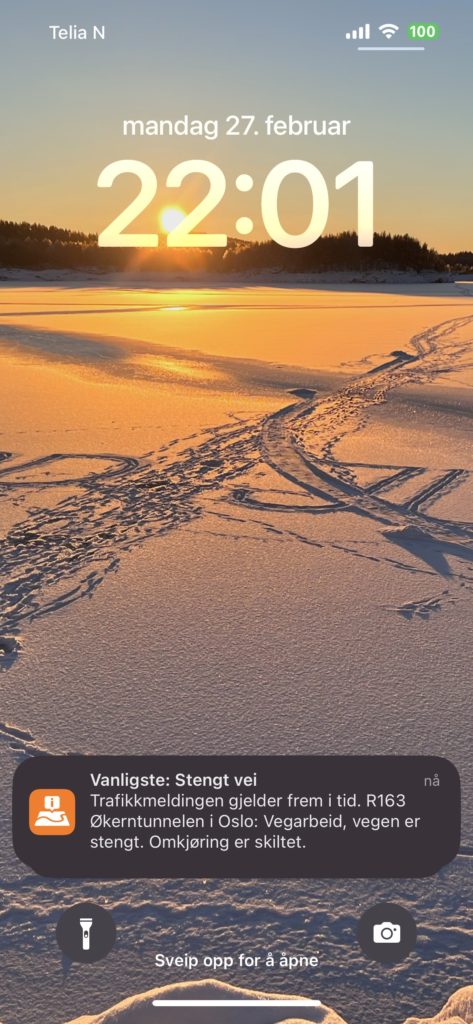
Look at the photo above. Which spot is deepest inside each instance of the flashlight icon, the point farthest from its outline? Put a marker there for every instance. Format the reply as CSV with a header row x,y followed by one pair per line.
x,y
86,933
86,924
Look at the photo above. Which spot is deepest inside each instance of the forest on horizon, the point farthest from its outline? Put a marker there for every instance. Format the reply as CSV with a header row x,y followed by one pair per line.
x,y
41,247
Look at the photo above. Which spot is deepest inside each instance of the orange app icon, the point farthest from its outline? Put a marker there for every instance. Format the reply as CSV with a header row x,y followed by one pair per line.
x,y
52,812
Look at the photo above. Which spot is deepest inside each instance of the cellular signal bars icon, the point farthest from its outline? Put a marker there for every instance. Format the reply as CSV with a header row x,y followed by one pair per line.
x,y
363,32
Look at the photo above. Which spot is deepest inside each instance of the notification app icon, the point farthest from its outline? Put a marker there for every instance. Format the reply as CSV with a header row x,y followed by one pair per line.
x,y
52,812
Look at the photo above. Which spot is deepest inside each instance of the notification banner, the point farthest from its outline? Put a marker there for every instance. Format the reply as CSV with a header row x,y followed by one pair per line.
x,y
236,817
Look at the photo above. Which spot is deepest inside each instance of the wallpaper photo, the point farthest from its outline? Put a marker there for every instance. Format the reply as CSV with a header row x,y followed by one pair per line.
x,y
235,477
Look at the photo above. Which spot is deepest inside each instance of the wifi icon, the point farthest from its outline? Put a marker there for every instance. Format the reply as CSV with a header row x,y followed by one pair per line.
x,y
389,30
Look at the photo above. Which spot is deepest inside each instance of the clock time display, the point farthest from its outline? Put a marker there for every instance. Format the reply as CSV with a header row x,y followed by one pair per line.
x,y
185,234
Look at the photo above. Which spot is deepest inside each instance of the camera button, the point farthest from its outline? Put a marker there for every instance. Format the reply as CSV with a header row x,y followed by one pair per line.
x,y
387,933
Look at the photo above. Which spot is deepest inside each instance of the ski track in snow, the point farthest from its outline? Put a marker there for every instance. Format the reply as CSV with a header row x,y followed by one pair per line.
x,y
59,554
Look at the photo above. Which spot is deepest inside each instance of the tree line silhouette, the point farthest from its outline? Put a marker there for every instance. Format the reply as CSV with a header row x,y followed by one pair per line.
x,y
39,247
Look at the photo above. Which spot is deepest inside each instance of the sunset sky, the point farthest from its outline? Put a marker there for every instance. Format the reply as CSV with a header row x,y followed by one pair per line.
x,y
410,112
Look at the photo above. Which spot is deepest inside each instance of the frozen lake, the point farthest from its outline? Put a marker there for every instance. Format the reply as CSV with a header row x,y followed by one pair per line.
x,y
235,520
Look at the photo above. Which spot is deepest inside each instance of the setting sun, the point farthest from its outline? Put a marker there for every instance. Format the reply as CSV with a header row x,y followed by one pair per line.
x,y
170,218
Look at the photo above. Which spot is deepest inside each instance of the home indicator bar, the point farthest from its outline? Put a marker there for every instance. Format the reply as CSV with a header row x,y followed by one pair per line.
x,y
237,1003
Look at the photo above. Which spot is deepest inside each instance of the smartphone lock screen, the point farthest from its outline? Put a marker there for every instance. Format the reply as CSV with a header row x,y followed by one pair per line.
x,y
236,515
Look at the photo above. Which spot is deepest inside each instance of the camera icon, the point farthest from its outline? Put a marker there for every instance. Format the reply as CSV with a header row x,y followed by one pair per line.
x,y
386,932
